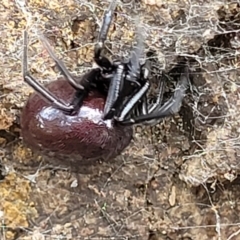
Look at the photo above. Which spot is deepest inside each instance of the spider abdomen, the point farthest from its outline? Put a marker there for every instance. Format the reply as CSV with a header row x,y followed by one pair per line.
x,y
82,134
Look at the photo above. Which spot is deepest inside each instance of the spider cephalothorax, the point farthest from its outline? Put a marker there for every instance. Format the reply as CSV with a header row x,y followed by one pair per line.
x,y
59,116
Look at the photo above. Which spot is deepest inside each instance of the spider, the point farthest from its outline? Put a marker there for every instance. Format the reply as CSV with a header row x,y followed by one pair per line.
x,y
91,115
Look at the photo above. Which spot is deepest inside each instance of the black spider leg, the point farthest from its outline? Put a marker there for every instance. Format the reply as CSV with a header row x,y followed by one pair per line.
x,y
60,65
136,98
114,71
133,101
82,84
137,74
80,88
145,107
41,90
86,81
115,87
116,97
152,107
134,65
101,60
171,107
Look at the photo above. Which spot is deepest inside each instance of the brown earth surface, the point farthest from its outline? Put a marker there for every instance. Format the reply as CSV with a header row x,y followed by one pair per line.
x,y
176,180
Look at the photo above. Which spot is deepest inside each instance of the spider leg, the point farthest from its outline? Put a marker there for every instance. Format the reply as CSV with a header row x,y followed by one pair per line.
x,y
132,102
87,79
161,86
134,64
102,61
138,97
116,94
48,96
116,84
171,107
116,89
144,107
60,65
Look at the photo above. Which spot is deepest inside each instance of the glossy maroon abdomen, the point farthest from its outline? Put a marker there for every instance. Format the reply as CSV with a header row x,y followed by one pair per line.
x,y
81,136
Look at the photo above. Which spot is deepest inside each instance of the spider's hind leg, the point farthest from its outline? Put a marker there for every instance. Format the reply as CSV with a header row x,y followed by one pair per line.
x,y
41,90
60,65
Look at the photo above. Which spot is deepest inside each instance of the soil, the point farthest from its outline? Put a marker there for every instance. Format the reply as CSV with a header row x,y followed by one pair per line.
x,y
177,179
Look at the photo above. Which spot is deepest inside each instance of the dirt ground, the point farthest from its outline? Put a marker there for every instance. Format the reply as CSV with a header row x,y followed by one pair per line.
x,y
176,180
